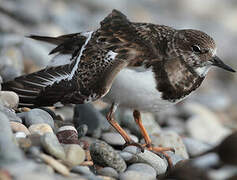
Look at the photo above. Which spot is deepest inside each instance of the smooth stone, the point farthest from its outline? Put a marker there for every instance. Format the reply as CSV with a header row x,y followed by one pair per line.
x,y
52,146
35,139
104,155
66,112
9,152
114,138
67,135
170,139
175,158
225,172
24,143
40,129
84,170
38,116
59,167
12,116
35,176
108,171
87,114
9,99
100,177
204,125
18,127
8,72
130,175
206,161
195,147
128,157
147,157
75,155
143,168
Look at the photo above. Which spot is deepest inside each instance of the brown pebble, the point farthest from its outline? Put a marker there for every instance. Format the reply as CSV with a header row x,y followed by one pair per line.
x,y
67,135
18,127
40,129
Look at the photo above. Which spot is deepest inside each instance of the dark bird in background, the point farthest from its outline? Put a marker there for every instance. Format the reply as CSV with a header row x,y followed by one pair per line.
x,y
142,66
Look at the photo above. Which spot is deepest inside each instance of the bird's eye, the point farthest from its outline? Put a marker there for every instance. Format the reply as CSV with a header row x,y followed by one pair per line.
x,y
196,48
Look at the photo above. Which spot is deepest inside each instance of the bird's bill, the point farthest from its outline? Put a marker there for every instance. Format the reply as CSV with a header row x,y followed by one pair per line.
x,y
216,61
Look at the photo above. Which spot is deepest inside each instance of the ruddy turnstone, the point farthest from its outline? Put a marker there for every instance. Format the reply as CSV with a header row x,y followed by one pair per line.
x,y
142,66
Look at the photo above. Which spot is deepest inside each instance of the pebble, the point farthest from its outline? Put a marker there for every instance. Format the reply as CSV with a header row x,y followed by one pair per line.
x,y
108,171
204,125
59,167
67,135
84,170
20,135
66,112
40,129
75,155
82,130
35,176
195,147
9,152
114,138
104,155
143,168
18,127
87,114
9,99
147,157
24,143
12,116
170,139
38,116
129,175
51,145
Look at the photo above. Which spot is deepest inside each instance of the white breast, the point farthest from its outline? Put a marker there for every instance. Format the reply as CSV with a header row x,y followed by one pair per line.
x,y
136,90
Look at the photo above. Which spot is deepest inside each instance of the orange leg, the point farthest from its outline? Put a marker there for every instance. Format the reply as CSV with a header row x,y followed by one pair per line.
x,y
110,119
148,144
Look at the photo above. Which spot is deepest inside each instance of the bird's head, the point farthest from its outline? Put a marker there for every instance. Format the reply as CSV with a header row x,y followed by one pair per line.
x,y
198,50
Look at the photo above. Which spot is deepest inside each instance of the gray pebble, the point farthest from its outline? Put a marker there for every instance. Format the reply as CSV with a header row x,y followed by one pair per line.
x,y
104,155
38,116
195,147
51,145
12,116
108,171
84,170
130,175
9,152
148,157
114,138
143,168
9,99
128,157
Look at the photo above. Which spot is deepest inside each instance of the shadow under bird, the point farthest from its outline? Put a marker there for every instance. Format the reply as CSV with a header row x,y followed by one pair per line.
x,y
142,66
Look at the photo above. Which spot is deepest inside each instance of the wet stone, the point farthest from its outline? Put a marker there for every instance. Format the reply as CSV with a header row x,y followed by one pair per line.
x,y
51,145
104,155
38,116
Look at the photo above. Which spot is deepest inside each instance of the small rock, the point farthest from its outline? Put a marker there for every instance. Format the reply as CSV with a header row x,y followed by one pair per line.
x,y
40,129
55,164
12,116
67,135
38,116
144,169
75,155
206,161
104,155
84,170
66,112
129,175
9,99
9,152
204,125
147,157
24,143
35,176
18,127
128,157
108,171
114,138
35,139
195,147
82,130
170,139
51,145
87,114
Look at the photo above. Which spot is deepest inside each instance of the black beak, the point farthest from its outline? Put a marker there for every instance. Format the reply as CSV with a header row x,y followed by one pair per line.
x,y
216,61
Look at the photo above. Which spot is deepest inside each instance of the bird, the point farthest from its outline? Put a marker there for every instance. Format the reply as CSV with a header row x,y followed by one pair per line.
x,y
141,66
